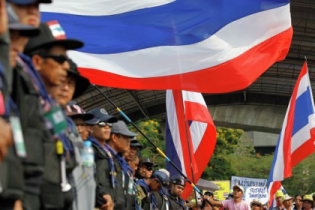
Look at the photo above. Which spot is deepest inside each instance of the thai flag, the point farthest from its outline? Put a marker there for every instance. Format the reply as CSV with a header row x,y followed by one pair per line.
x,y
296,140
196,45
190,134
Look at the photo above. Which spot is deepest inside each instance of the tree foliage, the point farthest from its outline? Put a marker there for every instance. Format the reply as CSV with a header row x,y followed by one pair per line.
x,y
220,165
152,129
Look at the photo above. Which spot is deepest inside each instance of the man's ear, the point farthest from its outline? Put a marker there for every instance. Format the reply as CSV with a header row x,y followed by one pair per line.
x,y
38,62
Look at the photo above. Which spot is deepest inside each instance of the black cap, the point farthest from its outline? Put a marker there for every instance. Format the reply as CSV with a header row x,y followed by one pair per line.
x,y
75,111
121,128
135,143
14,24
178,180
26,2
161,177
81,84
148,163
101,115
210,193
51,34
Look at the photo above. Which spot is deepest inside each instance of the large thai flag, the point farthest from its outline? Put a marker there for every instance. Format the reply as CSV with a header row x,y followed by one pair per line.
x,y
198,45
296,140
190,137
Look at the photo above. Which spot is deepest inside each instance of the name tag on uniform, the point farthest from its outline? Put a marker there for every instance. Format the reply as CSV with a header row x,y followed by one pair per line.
x,y
57,119
17,136
130,186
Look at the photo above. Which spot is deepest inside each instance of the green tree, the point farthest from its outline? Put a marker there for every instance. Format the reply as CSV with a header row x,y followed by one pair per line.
x,y
303,178
220,165
152,129
247,163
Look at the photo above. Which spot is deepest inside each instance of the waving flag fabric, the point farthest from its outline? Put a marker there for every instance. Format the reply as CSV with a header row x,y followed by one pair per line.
x,y
175,44
296,140
199,139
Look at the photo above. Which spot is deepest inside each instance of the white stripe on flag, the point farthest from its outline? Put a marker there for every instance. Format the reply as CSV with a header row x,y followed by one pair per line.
x,y
197,130
173,125
303,134
194,97
304,83
100,7
228,43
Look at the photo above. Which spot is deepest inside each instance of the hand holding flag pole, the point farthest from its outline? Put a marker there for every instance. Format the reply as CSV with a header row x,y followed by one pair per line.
x,y
157,149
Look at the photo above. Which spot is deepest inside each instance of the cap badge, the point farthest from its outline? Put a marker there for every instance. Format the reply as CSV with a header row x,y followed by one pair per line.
x,y
103,111
56,30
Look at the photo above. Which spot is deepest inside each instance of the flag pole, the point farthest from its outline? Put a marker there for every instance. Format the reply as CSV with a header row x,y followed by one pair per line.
x,y
188,143
157,149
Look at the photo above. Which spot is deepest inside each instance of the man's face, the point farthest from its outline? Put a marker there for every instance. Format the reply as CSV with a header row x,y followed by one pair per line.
x,y
81,128
307,204
287,203
279,201
53,66
63,93
237,193
101,131
122,143
177,190
17,45
298,200
132,152
145,172
28,14
134,164
155,185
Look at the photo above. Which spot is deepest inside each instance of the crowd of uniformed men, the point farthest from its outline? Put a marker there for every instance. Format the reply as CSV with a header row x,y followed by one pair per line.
x,y
42,133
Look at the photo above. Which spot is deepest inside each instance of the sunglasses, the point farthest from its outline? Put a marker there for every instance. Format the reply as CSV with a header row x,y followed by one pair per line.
x,y
58,58
256,204
103,124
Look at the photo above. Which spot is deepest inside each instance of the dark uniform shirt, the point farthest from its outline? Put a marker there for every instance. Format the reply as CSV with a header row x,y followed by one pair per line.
x,y
11,168
109,178
149,201
176,203
162,200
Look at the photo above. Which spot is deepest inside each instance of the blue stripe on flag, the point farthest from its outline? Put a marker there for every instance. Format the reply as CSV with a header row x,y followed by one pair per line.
x,y
303,109
181,22
275,157
171,151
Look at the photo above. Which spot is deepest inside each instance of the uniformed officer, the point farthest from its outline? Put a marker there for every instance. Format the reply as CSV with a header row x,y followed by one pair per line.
x,y
14,177
100,128
148,186
145,169
161,196
79,116
118,144
135,146
175,192
81,178
5,72
48,53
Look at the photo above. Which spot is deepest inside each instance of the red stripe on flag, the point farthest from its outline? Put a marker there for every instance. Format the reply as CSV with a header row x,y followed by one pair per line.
x,y
304,150
289,127
232,75
203,154
189,164
197,112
